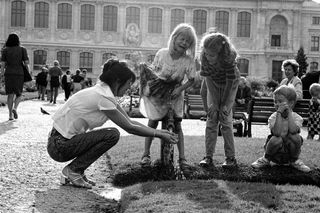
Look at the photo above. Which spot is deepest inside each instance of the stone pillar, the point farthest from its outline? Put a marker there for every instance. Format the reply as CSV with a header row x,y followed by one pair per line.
x,y
98,21
76,19
233,22
53,20
211,18
122,23
29,19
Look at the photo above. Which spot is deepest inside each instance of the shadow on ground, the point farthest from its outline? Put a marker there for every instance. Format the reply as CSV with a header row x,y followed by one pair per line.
x,y
131,174
70,199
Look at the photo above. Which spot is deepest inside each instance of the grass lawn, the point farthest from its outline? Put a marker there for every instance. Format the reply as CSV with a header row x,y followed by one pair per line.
x,y
277,189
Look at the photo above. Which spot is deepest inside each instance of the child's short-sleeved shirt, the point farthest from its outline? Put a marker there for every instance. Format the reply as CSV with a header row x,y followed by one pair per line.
x,y
168,69
83,110
297,119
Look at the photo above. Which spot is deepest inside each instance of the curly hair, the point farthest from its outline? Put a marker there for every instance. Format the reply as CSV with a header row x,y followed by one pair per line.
x,y
294,64
220,44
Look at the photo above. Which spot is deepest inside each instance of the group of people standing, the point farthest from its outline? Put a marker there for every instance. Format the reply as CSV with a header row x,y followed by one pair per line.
x,y
50,79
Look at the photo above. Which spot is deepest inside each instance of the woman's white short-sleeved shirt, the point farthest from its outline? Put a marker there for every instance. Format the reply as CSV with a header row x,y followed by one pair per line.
x,y
83,110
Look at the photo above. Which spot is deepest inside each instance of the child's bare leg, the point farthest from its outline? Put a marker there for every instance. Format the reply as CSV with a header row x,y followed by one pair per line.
x,y
273,146
180,144
148,140
294,144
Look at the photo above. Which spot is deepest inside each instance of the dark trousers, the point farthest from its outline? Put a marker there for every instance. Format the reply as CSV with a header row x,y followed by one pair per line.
x,y
84,148
67,90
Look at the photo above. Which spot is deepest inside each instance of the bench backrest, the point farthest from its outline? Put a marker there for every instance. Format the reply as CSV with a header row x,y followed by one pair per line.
x,y
262,107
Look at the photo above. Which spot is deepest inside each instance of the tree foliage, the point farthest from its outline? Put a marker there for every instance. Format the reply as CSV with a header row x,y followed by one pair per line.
x,y
301,58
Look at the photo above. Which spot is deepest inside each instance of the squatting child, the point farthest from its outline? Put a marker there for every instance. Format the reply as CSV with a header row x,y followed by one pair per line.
x,y
283,146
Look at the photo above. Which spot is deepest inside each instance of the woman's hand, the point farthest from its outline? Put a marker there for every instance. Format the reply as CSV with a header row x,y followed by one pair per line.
x,y
168,136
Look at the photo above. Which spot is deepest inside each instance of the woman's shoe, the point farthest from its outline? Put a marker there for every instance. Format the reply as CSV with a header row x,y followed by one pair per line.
x,y
84,177
15,114
73,178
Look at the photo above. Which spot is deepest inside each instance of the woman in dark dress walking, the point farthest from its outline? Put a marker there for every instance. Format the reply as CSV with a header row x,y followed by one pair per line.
x,y
13,56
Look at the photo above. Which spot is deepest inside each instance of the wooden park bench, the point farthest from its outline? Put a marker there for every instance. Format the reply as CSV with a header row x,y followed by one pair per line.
x,y
193,108
261,108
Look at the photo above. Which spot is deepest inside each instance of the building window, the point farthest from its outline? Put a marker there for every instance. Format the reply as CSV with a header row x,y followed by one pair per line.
x,y
87,17
200,21
275,40
155,20
177,17
107,56
39,59
41,15
243,66
110,18
133,16
18,14
316,20
314,66
64,16
244,23
64,59
222,22
314,43
86,61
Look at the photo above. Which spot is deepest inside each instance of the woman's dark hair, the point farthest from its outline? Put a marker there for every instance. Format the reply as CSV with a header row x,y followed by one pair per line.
x,y
116,71
13,40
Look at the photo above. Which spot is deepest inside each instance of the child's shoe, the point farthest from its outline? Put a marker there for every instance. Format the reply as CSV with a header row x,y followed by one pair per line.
x,y
299,165
260,163
229,163
206,162
145,161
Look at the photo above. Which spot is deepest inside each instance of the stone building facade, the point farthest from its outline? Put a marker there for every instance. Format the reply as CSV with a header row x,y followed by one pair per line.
x,y
84,33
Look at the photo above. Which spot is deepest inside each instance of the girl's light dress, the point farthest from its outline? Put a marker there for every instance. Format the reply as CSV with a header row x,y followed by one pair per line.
x,y
158,81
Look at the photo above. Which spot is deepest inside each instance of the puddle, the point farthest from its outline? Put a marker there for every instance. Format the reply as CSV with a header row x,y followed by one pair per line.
x,y
111,192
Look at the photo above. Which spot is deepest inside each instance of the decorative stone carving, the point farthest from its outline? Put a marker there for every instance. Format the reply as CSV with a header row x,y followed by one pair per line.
x,y
133,35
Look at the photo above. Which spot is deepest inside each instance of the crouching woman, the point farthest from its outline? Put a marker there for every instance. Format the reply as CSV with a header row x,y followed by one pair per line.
x,y
73,136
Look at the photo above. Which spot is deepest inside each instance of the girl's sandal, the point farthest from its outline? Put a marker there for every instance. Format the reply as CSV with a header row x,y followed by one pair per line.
x,y
75,179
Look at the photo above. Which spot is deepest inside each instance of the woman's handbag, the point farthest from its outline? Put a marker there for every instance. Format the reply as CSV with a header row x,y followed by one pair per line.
x,y
26,75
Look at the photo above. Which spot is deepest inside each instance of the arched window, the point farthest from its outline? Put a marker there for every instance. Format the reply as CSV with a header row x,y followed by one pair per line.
x,y
64,59
177,17
243,66
244,24
133,15
314,66
39,59
87,17
41,15
278,31
222,22
110,18
155,20
200,21
64,16
18,14
86,61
